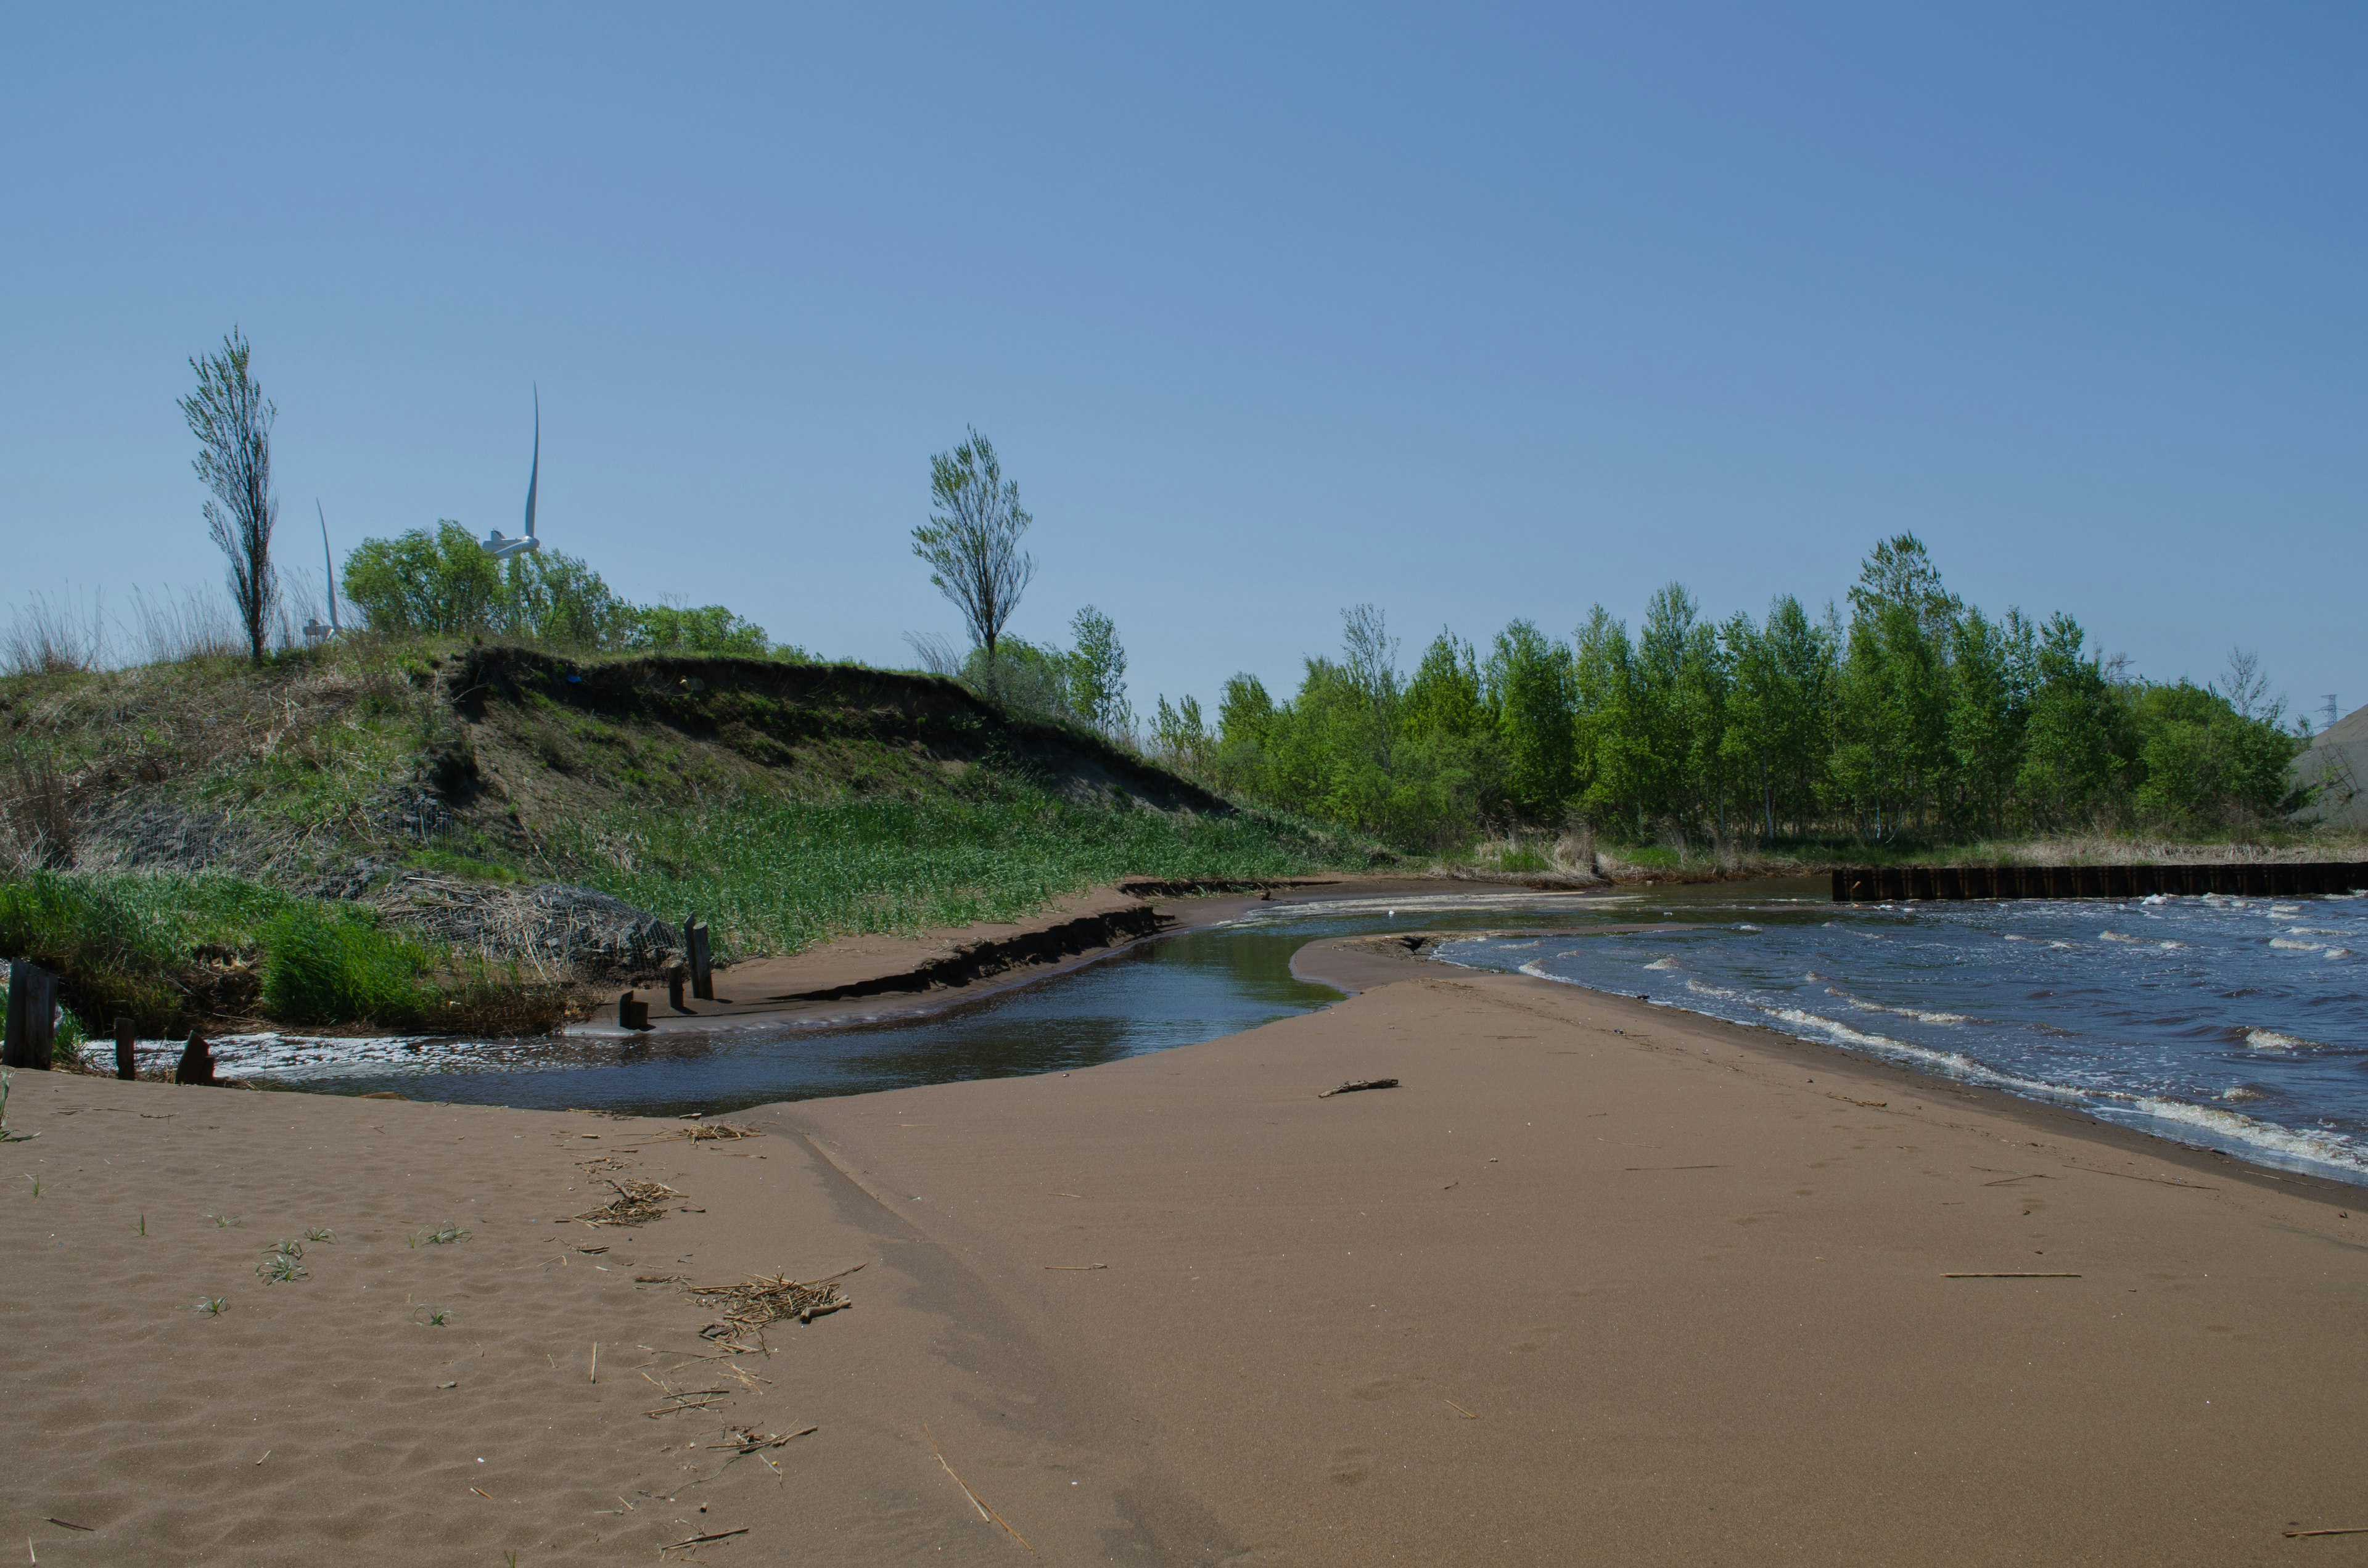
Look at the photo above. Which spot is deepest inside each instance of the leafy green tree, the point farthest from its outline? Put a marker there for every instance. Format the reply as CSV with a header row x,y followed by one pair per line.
x,y
421,584
2072,746
972,540
1891,720
1096,673
1530,686
1179,736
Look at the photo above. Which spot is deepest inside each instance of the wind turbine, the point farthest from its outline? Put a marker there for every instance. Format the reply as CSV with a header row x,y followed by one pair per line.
x,y
313,630
494,544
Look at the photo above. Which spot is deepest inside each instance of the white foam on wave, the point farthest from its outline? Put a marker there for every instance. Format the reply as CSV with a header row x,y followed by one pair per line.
x,y
2117,937
1921,1015
2293,947
2155,898
1701,990
2011,936
1744,925
2327,1150
2304,1146
2239,1092
2065,946
1665,964
2270,1040
2339,952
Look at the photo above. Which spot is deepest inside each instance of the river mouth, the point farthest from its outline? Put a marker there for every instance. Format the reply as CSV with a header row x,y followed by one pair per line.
x,y
2236,1024
1170,991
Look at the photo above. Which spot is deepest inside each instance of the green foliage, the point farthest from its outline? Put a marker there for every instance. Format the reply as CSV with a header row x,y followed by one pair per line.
x,y
775,875
1921,721
327,964
711,629
443,583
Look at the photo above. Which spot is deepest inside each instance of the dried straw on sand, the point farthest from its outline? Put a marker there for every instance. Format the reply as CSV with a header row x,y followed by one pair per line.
x,y
637,1203
771,1299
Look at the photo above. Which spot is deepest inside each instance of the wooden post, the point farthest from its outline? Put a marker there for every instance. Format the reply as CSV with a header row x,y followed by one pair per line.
x,y
632,1013
32,1016
126,1067
702,980
673,988
197,1064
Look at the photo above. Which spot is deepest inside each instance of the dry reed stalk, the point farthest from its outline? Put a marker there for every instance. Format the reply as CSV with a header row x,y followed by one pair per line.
x,y
976,1502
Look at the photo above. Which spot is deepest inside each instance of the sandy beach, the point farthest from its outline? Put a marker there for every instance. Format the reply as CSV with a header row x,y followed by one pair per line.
x,y
1596,1282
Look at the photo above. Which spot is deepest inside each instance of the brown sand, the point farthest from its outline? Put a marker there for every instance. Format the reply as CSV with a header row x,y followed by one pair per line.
x,y
1676,1294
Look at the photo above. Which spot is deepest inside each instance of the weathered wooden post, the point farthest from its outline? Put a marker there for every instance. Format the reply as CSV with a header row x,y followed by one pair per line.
x,y
694,941
197,1064
633,1013
126,1067
32,1016
673,988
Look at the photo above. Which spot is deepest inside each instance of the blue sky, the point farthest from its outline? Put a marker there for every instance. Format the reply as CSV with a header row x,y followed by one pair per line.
x,y
1471,314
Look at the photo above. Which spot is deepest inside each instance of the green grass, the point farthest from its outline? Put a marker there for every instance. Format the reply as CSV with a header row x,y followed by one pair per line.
x,y
776,876
142,946
323,965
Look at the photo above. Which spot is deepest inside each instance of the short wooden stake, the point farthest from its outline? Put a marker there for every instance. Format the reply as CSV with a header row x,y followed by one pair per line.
x,y
126,1067
32,1017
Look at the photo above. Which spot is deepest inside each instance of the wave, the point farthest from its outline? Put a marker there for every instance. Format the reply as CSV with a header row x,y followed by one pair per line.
x,y
1665,964
2293,947
2270,1040
2328,1152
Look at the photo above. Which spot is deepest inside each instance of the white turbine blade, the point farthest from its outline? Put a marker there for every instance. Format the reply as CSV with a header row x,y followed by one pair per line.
x,y
328,564
534,472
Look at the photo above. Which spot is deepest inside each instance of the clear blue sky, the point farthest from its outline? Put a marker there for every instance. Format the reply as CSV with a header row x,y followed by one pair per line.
x,y
1469,314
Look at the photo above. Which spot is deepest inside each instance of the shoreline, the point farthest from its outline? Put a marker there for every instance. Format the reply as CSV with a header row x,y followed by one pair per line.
x,y
1597,1282
1351,964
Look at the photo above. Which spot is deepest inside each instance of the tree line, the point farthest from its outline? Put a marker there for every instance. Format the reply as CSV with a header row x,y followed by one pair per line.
x,y
1919,718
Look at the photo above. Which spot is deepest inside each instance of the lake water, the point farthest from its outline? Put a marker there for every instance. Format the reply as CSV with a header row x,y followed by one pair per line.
x,y
2240,1024
2237,1023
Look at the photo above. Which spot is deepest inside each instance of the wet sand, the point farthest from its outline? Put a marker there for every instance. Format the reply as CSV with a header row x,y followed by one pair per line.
x,y
1597,1283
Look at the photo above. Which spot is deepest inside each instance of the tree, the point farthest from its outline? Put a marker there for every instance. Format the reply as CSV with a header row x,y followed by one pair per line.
x,y
1531,686
1096,668
972,540
232,420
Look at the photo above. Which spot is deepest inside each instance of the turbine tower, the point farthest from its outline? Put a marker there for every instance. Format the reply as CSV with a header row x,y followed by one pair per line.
x,y
495,545
314,633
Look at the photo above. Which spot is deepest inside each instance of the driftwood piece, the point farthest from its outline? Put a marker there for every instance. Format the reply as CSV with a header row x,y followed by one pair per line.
x,y
694,945
32,1017
1353,1085
197,1064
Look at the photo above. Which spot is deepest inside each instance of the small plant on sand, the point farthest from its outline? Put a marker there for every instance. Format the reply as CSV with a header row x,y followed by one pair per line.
x,y
212,1306
37,1184
283,1264
143,1224
443,1237
223,1222
318,1234
6,1136
436,1317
